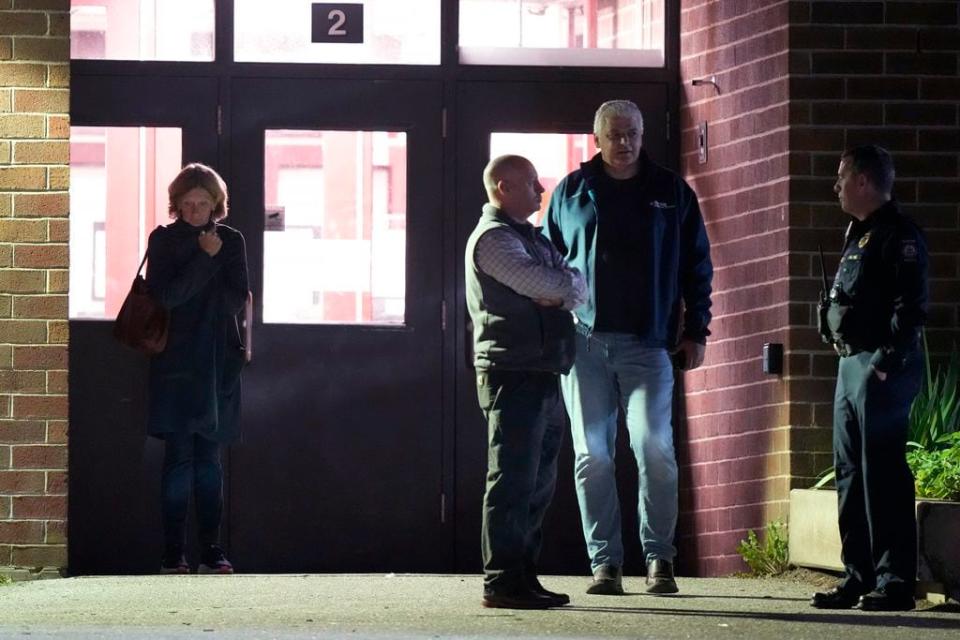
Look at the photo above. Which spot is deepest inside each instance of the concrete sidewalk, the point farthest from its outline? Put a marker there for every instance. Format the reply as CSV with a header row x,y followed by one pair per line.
x,y
425,606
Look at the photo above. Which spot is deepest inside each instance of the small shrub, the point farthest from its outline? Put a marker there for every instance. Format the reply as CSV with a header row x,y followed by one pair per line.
x,y
937,470
770,557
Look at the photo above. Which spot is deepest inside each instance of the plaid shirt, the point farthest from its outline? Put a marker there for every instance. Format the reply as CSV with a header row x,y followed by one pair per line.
x,y
502,255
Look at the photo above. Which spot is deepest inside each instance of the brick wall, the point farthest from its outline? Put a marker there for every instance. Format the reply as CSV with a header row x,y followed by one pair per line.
x,y
799,82
34,154
883,72
734,456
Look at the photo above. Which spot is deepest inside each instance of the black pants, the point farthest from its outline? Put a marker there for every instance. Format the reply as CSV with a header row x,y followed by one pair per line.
x,y
525,429
190,462
878,529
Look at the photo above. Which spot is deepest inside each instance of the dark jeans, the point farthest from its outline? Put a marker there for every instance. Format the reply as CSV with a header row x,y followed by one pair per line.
x,y
878,529
525,429
191,461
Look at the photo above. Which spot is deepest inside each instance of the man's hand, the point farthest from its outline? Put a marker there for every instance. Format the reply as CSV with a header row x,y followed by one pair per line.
x,y
881,376
693,353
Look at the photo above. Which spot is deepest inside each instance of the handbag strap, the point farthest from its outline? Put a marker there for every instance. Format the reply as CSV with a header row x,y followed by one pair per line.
x,y
140,268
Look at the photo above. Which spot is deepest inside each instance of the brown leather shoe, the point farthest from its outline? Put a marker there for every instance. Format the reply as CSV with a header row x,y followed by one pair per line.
x,y
660,578
607,581
521,598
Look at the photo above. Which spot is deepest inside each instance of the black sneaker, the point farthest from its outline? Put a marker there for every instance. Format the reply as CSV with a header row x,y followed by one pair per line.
x,y
174,562
213,560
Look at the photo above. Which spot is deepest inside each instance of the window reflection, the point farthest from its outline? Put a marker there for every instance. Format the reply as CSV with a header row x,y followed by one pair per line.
x,y
118,195
339,254
394,32
562,32
142,29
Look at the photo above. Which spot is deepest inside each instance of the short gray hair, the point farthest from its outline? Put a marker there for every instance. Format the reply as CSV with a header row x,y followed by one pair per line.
x,y
615,109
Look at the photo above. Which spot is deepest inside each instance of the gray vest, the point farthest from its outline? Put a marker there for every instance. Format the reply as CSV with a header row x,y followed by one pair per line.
x,y
510,332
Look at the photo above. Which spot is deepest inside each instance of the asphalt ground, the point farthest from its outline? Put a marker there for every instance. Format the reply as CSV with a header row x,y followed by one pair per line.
x,y
402,607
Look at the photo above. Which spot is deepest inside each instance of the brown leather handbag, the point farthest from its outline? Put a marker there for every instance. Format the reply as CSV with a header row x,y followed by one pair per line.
x,y
142,322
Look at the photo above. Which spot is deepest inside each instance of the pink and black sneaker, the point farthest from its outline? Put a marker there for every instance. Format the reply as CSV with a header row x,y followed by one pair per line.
x,y
213,560
174,562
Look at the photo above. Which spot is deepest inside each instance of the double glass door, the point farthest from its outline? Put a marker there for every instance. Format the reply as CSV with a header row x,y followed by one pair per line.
x,y
363,446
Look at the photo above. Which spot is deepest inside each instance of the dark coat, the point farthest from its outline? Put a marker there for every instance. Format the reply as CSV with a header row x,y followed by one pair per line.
x,y
670,243
195,381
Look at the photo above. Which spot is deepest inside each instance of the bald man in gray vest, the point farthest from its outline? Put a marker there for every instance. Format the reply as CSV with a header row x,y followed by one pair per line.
x,y
519,293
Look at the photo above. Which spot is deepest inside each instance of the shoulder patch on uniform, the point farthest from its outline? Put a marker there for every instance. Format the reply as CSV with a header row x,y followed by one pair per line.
x,y
864,240
908,250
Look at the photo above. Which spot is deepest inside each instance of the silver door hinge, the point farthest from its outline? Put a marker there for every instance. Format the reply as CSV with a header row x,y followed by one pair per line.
x,y
443,508
219,120
443,315
668,125
443,122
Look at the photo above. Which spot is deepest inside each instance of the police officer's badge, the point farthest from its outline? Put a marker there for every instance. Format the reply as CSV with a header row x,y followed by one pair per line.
x,y
864,240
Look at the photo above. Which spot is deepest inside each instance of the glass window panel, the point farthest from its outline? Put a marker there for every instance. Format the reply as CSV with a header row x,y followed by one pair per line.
x,y
339,255
142,30
118,195
394,32
594,33
553,154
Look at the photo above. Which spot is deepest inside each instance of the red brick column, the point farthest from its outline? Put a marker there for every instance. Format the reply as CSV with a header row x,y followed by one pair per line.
x,y
799,82
34,157
735,449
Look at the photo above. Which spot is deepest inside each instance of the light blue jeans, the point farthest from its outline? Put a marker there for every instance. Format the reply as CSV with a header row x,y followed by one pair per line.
x,y
613,370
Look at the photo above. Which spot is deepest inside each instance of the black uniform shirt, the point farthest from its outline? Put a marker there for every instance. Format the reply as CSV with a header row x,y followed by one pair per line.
x,y
879,296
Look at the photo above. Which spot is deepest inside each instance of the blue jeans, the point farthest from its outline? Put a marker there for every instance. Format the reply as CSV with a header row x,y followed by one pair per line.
x,y
190,462
613,369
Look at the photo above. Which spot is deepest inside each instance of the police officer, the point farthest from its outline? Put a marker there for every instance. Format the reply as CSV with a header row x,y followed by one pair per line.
x,y
872,316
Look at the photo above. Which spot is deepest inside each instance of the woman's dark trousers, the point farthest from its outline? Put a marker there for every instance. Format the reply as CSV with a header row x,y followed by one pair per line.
x,y
191,461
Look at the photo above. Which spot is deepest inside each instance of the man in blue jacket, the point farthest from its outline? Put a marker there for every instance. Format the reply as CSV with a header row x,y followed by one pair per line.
x,y
635,231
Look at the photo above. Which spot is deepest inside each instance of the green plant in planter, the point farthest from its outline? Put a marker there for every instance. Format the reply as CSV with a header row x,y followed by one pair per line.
x,y
770,557
934,455
937,469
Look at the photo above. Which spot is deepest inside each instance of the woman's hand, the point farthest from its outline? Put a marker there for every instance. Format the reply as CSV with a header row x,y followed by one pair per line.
x,y
210,242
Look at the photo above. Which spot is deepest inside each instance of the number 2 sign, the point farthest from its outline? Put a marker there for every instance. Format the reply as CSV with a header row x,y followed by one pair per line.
x,y
337,22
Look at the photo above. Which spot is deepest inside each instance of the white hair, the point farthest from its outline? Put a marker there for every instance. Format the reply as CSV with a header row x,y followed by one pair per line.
x,y
615,109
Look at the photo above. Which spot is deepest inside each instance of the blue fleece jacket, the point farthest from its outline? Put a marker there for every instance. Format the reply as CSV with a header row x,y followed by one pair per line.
x,y
670,238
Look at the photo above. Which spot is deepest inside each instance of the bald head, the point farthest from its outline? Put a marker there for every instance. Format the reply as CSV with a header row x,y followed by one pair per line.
x,y
513,186
502,168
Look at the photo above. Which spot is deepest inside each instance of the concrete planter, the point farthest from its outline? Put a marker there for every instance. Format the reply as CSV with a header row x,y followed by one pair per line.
x,y
815,539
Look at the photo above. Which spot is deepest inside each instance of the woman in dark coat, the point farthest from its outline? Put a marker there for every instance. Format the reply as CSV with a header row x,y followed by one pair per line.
x,y
197,269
